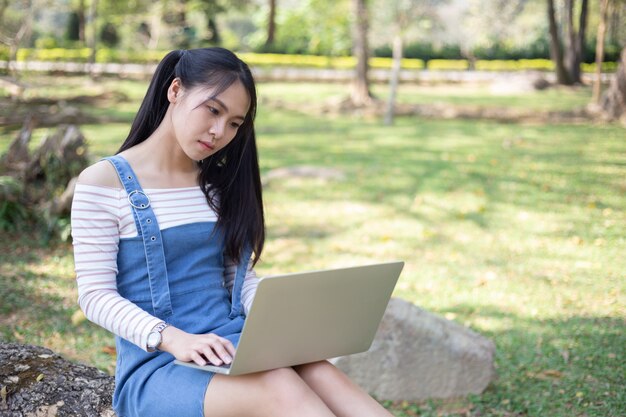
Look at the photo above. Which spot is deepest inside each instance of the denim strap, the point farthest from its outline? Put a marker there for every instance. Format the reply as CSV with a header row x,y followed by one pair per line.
x,y
240,276
148,228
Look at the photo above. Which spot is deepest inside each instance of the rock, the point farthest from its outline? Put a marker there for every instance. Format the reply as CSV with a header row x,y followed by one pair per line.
x,y
540,83
417,355
36,382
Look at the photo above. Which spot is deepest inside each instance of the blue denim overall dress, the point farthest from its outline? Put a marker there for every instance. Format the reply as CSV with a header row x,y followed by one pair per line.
x,y
176,274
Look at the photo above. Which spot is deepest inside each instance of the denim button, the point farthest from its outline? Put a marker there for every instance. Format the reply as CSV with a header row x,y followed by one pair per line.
x,y
149,221
153,238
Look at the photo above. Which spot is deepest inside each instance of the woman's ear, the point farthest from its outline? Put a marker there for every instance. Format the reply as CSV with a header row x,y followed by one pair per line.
x,y
174,90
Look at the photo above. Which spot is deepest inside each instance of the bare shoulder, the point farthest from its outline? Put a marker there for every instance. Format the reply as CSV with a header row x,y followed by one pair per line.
x,y
101,174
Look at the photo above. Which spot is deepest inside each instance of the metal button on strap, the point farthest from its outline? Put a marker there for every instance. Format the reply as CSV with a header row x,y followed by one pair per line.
x,y
142,203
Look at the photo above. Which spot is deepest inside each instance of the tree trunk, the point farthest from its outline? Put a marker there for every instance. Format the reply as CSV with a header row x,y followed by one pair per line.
x,y
23,33
156,24
93,39
81,21
613,101
556,52
600,51
570,45
580,41
395,77
271,25
361,94
575,40
215,36
615,21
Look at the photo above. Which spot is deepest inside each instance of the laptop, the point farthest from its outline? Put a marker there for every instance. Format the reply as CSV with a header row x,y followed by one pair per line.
x,y
310,316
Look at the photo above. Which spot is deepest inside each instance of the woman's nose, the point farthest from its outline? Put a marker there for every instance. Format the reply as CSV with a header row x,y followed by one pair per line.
x,y
217,129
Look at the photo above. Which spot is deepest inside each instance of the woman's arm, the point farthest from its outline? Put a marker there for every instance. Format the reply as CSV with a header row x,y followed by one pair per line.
x,y
95,233
95,219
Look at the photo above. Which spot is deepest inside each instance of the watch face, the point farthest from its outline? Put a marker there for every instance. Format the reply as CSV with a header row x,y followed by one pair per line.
x,y
153,339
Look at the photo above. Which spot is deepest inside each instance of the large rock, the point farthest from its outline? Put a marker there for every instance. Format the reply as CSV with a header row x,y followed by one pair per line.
x,y
36,382
417,355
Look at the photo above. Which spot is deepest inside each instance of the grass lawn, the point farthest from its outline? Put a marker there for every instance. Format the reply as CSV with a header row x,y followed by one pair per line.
x,y
516,231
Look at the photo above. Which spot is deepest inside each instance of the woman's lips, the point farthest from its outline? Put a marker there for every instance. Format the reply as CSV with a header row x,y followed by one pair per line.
x,y
207,145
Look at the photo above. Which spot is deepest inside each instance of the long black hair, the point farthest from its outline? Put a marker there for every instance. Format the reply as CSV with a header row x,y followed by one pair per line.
x,y
230,178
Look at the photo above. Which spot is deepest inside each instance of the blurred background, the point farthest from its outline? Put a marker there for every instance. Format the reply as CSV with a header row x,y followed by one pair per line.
x,y
482,142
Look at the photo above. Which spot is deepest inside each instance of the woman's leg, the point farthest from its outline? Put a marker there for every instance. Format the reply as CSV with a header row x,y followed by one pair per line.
x,y
276,393
339,393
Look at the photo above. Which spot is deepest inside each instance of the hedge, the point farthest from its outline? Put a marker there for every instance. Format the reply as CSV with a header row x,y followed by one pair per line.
x,y
303,61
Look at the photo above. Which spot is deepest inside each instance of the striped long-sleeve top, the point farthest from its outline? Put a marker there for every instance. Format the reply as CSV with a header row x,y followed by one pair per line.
x,y
100,217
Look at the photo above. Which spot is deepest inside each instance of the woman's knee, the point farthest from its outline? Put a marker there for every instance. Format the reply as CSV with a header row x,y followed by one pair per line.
x,y
284,387
279,392
318,372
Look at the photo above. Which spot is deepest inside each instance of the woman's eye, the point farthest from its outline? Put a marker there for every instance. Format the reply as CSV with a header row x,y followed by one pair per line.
x,y
235,125
214,110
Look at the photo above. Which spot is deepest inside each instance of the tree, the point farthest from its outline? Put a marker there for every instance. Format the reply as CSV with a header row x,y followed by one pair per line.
x,y
556,52
604,6
568,64
613,101
576,39
15,26
402,14
93,39
271,25
212,9
360,95
79,12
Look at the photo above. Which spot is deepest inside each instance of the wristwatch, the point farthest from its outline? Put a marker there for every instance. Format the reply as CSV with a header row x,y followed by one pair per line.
x,y
155,337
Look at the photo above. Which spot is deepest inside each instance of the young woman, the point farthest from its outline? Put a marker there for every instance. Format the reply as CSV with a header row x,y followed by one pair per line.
x,y
165,236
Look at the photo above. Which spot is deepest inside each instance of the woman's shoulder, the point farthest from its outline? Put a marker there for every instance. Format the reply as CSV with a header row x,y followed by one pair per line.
x,y
100,174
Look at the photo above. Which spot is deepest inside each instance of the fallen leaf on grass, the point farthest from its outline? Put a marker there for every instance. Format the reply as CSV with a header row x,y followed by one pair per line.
x,y
544,375
78,317
109,350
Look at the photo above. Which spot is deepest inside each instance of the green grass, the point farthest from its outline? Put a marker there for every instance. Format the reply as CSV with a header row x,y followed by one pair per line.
x,y
516,231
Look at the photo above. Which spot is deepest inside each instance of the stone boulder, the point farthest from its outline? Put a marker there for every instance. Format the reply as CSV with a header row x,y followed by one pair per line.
x,y
417,355
36,382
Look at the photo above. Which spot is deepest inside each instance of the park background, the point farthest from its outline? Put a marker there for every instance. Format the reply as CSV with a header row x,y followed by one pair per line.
x,y
499,177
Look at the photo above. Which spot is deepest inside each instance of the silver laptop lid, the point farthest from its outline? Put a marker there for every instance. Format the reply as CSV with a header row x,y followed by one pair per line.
x,y
306,317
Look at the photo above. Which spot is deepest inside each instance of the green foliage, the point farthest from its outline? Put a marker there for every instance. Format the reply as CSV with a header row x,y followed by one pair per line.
x,y
299,60
318,27
447,64
515,65
4,52
73,27
13,214
109,36
46,42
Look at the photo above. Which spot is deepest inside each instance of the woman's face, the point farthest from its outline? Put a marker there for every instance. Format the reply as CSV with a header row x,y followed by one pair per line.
x,y
204,124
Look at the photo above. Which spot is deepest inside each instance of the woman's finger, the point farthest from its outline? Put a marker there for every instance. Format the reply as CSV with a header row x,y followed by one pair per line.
x,y
230,347
197,358
221,351
208,353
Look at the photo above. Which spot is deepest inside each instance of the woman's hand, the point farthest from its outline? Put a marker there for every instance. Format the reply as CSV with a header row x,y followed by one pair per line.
x,y
198,348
